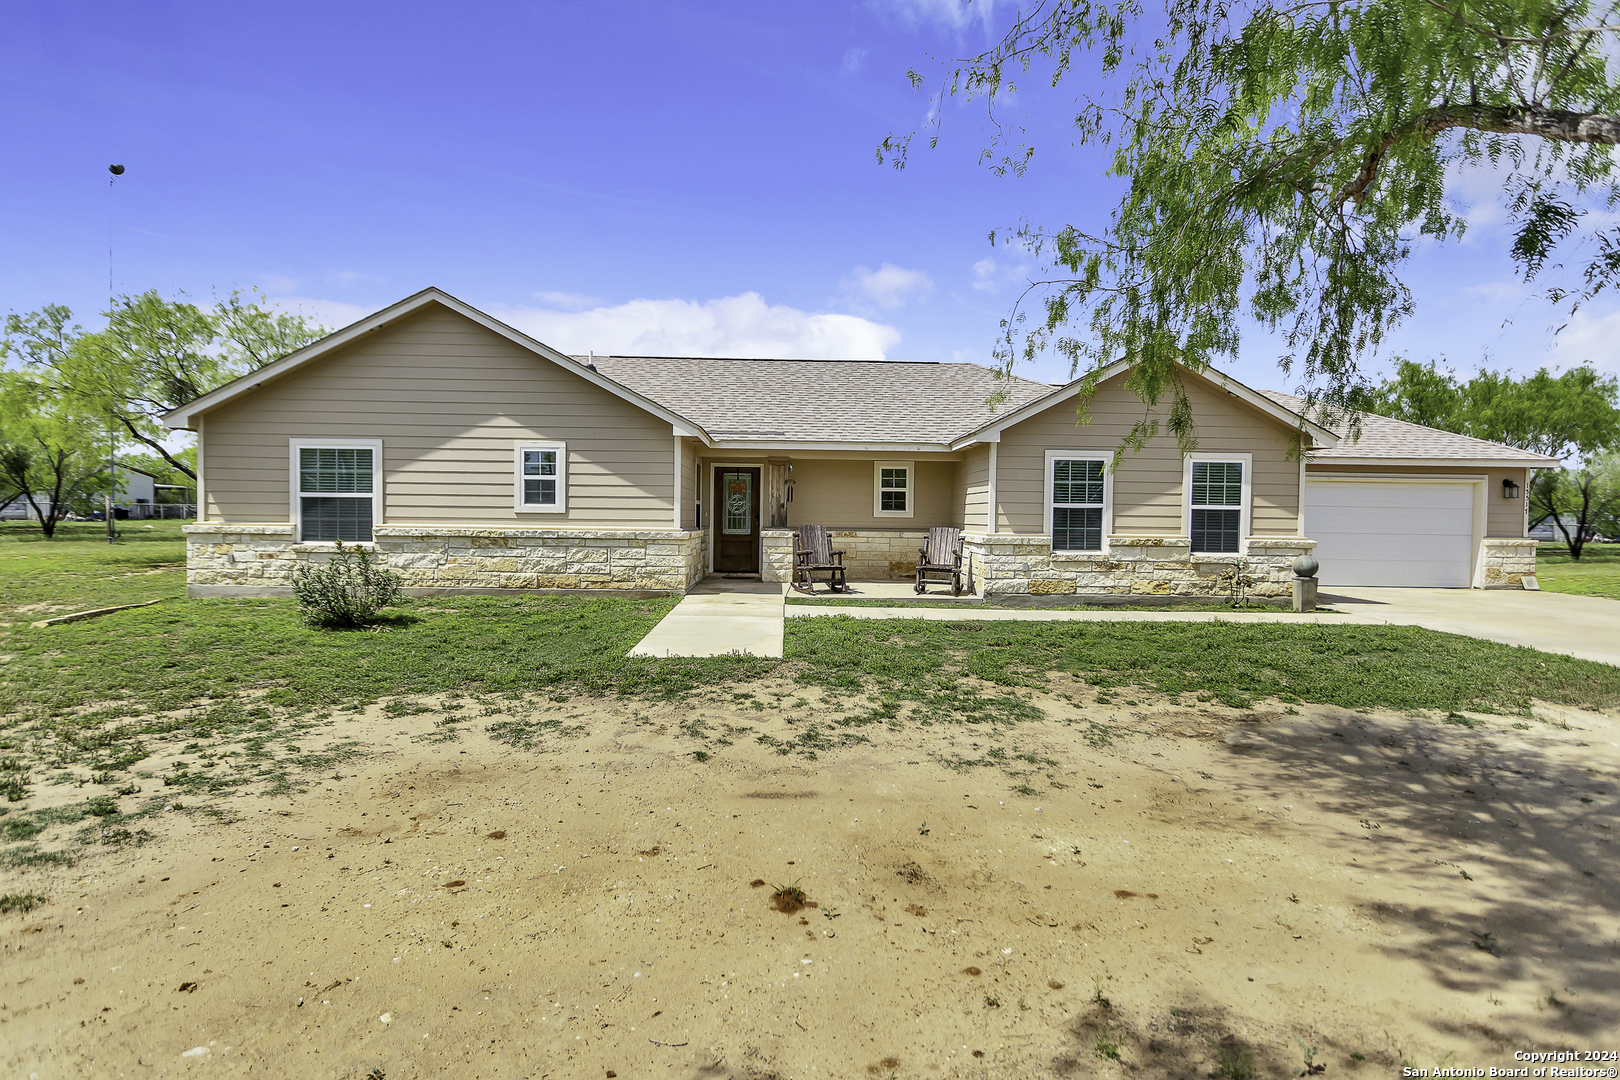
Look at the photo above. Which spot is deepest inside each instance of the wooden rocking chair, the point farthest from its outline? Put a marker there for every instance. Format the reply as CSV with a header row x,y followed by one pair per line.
x,y
941,558
812,555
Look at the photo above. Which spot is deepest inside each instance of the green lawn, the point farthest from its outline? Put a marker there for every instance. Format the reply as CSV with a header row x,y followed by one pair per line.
x,y
94,692
79,569
246,682
1596,574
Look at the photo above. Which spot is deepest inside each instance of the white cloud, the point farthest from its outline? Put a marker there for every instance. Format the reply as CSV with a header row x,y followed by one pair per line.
x,y
739,326
949,14
984,275
854,59
1587,339
567,301
889,286
989,276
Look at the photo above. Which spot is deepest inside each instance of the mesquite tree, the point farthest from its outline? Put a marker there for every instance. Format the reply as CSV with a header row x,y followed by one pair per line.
x,y
1282,159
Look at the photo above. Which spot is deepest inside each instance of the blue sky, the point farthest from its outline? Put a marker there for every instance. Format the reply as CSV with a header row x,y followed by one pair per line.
x,y
662,177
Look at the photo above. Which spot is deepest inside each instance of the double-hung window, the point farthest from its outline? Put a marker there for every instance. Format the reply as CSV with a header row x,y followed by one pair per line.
x,y
542,478
336,490
1077,489
892,493
1218,502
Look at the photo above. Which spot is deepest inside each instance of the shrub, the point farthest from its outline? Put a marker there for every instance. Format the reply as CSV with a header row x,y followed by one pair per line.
x,y
347,591
22,902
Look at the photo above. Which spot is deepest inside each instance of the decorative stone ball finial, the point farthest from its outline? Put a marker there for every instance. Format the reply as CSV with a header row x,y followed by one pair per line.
x,y
1306,566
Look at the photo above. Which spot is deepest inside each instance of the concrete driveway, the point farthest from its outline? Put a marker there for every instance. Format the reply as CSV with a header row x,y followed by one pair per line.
x,y
1584,626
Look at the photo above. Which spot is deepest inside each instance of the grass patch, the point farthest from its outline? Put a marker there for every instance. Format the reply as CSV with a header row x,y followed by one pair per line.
x,y
80,570
1597,573
244,678
21,903
1390,667
233,657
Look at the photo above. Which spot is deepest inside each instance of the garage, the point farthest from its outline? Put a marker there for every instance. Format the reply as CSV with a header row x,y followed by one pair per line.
x,y
1416,534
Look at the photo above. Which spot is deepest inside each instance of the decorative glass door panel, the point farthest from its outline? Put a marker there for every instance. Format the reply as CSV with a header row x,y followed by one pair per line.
x,y
738,516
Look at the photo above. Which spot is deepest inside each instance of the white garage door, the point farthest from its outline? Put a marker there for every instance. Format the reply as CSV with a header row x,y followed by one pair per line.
x,y
1409,534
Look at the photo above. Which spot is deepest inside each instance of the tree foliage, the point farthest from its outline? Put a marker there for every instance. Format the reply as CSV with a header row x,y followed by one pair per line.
x,y
1576,412
1579,502
153,356
52,455
1281,161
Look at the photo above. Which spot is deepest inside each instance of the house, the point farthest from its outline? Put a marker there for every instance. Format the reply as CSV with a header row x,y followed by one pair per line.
x,y
134,496
476,459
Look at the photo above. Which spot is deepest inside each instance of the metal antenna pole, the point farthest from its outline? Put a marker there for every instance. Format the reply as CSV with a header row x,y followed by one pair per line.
x,y
114,172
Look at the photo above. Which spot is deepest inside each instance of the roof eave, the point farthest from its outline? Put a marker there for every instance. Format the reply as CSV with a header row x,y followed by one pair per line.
x,y
832,444
1527,462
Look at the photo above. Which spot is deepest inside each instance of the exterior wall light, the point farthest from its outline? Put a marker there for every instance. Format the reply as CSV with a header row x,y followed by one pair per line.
x,y
1510,490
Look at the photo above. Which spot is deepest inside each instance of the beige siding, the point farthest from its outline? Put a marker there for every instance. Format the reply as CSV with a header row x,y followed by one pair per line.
x,y
1503,517
689,483
448,398
973,487
838,494
1147,485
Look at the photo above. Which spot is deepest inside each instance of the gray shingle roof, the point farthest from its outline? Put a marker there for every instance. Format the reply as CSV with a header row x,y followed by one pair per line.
x,y
1382,437
821,400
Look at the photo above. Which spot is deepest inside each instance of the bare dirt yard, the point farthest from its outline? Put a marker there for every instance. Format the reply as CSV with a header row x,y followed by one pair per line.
x,y
1133,889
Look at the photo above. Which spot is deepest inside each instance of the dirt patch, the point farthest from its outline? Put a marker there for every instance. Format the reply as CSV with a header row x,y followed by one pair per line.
x,y
1374,887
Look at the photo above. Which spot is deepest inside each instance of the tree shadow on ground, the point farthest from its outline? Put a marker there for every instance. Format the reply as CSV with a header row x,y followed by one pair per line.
x,y
1506,828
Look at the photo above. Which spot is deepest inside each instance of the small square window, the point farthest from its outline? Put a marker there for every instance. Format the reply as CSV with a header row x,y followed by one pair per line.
x,y
893,489
541,484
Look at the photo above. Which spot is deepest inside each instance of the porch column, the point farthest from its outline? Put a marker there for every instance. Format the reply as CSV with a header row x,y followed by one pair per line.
x,y
776,492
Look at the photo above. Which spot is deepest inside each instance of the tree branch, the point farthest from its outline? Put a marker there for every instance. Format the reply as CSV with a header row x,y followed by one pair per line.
x,y
155,445
1559,125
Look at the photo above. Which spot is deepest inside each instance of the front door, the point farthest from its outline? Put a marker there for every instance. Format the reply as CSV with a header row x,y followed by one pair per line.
x,y
736,521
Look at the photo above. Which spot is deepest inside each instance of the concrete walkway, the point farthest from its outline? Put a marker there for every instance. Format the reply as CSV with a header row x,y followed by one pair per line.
x,y
717,618
1584,626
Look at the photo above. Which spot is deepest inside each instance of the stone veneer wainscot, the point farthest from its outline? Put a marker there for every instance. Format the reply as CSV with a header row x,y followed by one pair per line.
x,y
259,559
1509,564
869,554
1010,565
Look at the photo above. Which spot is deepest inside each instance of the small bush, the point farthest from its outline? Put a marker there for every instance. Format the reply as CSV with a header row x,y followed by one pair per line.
x,y
346,592
1234,1060
21,902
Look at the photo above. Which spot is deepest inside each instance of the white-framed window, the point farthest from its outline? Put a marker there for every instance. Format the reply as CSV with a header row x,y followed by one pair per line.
x,y
1079,501
893,484
1216,495
542,477
336,484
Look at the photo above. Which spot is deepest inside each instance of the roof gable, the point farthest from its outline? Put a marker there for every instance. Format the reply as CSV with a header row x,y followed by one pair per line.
x,y
1284,416
185,416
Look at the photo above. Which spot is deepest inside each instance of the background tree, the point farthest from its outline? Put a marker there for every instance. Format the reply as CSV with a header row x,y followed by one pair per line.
x,y
1282,160
1580,502
51,454
1576,412
153,356
1573,415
